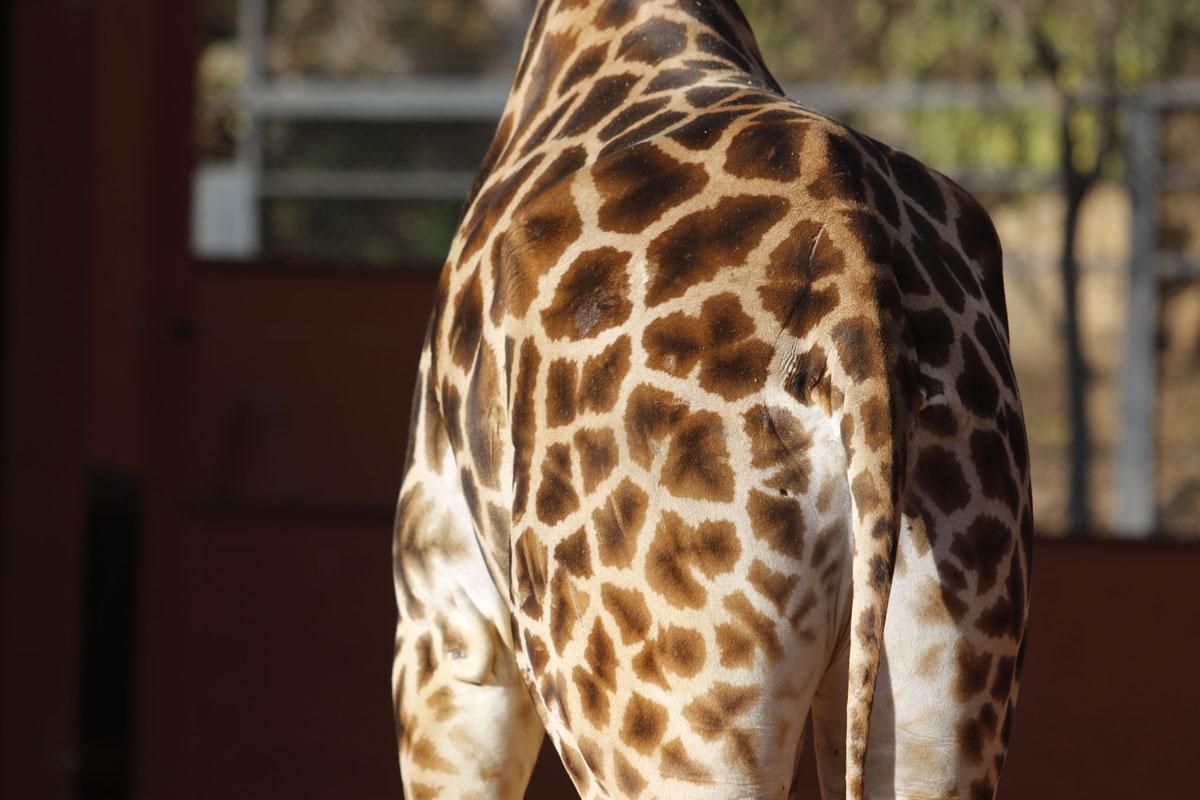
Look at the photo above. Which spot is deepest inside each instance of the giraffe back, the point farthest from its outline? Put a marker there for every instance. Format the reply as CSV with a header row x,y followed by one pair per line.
x,y
707,374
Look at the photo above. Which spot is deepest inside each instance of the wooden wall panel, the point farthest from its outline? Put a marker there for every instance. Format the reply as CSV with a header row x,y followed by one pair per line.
x,y
50,189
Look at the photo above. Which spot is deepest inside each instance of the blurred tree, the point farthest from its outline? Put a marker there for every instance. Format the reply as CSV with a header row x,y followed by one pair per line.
x,y
385,38
1089,52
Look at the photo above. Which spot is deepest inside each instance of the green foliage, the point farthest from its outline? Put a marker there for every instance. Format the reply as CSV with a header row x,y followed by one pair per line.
x,y
874,40
380,38
360,232
1082,48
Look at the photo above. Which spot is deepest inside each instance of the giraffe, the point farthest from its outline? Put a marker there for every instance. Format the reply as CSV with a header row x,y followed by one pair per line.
x,y
715,430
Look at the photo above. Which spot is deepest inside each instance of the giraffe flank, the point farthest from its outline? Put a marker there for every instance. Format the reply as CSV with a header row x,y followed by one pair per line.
x,y
715,429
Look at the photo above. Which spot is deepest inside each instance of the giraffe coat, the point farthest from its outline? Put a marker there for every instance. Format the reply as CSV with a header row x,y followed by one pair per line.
x,y
715,427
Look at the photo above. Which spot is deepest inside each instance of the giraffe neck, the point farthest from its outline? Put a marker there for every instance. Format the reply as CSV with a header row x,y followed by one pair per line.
x,y
571,41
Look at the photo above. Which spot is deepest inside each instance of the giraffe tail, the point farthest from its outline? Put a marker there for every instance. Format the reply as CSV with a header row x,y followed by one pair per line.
x,y
881,405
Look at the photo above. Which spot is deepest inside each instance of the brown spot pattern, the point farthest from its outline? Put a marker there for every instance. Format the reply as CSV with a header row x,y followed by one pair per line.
x,y
592,296
529,567
735,645
774,586
756,624
653,42
628,609
650,415
574,555
584,66
531,247
592,697
676,764
733,363
467,324
556,496
715,713
597,451
601,656
700,244
630,116
677,549
974,669
681,650
618,522
941,479
778,521
605,95
643,725
560,393
982,548
524,424
704,131
642,183
602,374
767,150
697,462
778,442
564,612
629,780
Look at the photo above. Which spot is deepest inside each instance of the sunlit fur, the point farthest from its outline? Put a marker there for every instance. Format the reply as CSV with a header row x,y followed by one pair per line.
x,y
715,427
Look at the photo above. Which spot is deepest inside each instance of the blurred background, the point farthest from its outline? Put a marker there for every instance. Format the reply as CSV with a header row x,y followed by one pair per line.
x,y
223,222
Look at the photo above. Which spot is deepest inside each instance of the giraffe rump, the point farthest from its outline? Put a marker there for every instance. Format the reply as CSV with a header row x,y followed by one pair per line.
x,y
715,427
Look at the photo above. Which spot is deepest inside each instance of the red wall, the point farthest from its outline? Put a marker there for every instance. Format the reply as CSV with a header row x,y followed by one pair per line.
x,y
1110,700
44,246
290,678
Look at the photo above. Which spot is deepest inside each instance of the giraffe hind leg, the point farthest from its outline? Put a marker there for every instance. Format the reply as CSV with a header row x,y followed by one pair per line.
x,y
950,662
466,727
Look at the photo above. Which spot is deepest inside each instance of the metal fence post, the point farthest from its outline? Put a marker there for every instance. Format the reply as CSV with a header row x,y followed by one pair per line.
x,y
252,29
1136,455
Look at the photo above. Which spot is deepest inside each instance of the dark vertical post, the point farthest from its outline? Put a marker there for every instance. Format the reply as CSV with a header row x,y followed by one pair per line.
x,y
106,674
